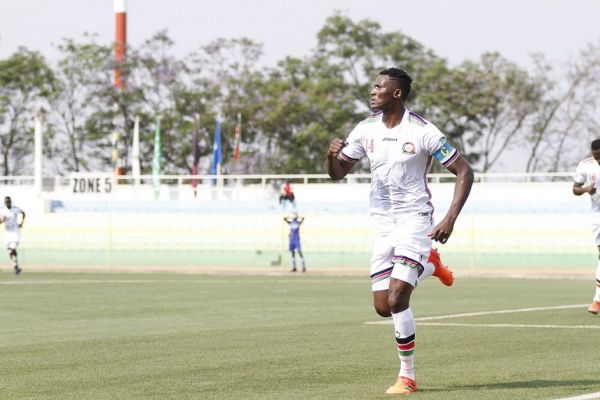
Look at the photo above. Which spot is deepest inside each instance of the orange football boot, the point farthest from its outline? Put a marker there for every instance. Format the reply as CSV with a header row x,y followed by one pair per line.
x,y
403,385
594,308
443,273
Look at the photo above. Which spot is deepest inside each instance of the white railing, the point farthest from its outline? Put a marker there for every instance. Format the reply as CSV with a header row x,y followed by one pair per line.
x,y
17,180
276,179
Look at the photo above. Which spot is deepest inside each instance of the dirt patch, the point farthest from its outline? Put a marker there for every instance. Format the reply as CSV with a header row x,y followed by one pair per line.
x,y
509,272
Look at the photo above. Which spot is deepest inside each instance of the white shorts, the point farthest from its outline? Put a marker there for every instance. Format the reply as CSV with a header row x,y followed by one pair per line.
x,y
400,246
11,240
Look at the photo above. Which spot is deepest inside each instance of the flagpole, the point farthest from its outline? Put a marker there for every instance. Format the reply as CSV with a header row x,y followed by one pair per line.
x,y
215,166
156,160
135,152
237,140
196,146
220,149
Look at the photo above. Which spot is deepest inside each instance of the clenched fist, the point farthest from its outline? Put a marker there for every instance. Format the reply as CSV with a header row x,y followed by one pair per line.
x,y
335,146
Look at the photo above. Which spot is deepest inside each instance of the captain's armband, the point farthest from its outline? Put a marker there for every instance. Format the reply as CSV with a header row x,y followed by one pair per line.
x,y
446,154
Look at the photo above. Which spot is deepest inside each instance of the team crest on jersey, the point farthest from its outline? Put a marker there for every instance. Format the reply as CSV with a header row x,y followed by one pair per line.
x,y
408,148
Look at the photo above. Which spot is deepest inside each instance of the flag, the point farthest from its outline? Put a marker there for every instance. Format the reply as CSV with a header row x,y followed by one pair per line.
x,y
196,144
135,151
156,160
215,165
237,138
115,151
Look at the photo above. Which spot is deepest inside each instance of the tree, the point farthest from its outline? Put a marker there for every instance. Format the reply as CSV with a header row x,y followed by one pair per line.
x,y
307,102
360,49
225,72
568,115
26,82
81,73
506,98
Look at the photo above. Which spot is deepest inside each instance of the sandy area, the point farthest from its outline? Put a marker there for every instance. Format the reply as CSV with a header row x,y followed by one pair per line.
x,y
525,273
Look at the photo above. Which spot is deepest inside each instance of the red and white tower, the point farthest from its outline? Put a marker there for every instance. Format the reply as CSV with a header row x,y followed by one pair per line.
x,y
120,39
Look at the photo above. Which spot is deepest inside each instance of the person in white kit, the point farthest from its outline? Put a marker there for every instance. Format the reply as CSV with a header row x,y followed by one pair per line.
x,y
587,172
400,146
9,215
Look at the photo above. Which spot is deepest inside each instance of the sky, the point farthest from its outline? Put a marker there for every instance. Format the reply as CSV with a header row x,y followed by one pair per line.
x,y
455,29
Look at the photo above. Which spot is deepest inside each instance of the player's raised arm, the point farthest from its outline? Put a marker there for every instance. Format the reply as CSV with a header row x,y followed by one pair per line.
x,y
337,168
462,188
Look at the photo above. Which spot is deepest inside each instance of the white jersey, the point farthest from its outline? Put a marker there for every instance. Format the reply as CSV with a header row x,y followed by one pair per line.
x,y
587,172
11,218
400,159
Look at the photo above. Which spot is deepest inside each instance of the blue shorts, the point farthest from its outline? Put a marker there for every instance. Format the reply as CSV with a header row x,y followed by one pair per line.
x,y
295,245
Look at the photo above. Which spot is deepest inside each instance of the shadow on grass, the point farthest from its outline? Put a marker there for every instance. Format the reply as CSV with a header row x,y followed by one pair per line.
x,y
537,383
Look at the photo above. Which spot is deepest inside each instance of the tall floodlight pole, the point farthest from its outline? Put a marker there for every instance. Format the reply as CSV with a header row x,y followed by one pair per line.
x,y
37,152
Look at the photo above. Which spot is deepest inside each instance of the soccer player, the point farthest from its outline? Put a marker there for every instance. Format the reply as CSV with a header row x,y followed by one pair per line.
x,y
287,194
9,215
294,235
400,146
587,172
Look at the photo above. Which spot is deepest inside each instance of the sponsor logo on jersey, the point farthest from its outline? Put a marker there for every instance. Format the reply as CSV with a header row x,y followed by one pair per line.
x,y
408,148
390,139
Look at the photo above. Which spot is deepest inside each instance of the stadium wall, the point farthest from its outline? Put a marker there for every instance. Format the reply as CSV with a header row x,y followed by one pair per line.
x,y
505,225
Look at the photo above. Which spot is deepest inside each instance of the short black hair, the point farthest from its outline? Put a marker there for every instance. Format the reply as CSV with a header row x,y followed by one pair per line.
x,y
596,144
401,77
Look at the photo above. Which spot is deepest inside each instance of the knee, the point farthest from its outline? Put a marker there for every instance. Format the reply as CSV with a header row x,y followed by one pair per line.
x,y
381,305
398,299
383,310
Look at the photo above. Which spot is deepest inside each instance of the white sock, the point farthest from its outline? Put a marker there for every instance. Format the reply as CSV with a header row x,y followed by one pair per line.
x,y
404,325
597,296
428,269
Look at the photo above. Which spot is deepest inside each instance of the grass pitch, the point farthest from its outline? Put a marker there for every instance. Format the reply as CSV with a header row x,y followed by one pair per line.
x,y
162,336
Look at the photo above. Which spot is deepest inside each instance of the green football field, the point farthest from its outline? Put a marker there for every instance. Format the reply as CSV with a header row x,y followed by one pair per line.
x,y
167,336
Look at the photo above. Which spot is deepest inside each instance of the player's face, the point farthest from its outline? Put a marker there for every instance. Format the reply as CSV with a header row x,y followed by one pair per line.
x,y
385,93
596,155
7,202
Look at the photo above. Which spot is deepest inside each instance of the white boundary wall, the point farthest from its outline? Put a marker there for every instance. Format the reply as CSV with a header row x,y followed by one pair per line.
x,y
522,221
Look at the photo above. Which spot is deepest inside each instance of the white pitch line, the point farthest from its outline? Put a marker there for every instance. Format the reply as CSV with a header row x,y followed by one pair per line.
x,y
389,322
515,310
511,325
480,313
589,396
187,281
73,282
